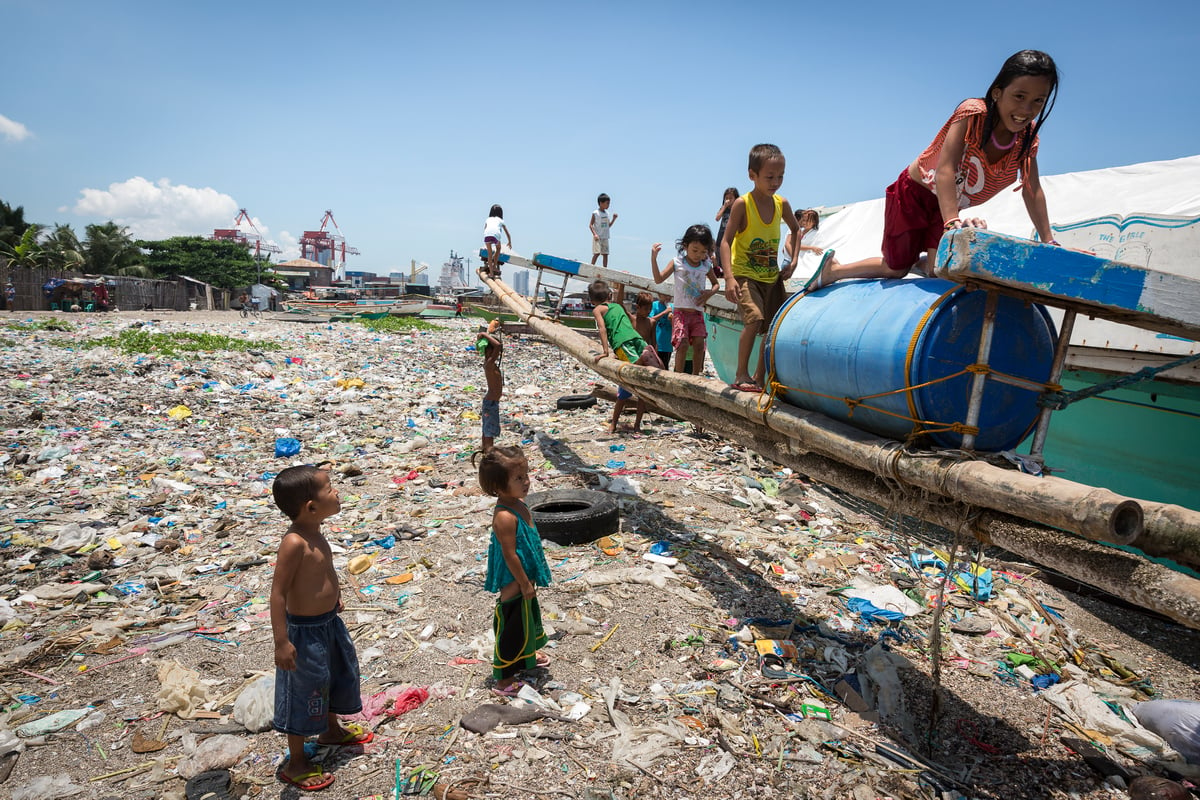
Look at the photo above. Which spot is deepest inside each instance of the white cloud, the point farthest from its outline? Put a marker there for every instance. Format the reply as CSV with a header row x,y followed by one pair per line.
x,y
13,130
290,245
159,210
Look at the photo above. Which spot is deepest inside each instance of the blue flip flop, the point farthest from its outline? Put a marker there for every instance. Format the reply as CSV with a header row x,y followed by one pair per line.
x,y
817,281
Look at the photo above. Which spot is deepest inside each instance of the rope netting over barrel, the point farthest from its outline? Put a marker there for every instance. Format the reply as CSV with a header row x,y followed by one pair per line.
x,y
920,426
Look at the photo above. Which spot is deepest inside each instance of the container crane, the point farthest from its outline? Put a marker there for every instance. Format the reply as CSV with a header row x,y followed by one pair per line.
x,y
238,234
326,247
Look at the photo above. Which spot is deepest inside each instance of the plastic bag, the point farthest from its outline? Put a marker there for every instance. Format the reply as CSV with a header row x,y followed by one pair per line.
x,y
286,447
1176,721
47,788
254,708
216,752
182,690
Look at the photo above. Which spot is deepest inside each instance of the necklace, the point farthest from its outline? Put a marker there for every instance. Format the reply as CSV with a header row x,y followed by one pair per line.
x,y
999,146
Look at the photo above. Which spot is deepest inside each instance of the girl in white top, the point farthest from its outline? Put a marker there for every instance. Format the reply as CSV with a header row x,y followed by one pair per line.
x,y
491,240
691,267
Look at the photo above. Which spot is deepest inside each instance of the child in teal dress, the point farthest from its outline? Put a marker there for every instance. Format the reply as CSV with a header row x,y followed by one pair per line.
x,y
516,566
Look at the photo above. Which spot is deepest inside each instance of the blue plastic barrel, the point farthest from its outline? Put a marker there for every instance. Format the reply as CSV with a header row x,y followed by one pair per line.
x,y
860,338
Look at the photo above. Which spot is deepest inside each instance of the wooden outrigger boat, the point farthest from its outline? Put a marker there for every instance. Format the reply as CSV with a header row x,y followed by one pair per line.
x,y
577,321
1069,527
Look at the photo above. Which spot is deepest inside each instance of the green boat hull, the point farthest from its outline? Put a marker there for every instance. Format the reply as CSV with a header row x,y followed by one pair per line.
x,y
1139,441
579,323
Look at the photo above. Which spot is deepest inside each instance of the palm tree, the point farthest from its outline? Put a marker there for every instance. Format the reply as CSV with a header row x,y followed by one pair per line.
x,y
27,253
12,225
109,250
63,249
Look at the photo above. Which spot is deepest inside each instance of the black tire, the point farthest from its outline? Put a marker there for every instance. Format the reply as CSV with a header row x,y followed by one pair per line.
x,y
574,516
572,401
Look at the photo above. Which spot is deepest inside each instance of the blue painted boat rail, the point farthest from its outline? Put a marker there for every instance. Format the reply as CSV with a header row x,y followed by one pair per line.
x,y
571,269
1073,280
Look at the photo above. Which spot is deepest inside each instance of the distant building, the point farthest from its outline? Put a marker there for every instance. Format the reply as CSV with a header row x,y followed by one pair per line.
x,y
301,273
521,282
357,278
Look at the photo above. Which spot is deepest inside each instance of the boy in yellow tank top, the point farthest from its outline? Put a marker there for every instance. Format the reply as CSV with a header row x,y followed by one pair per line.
x,y
751,248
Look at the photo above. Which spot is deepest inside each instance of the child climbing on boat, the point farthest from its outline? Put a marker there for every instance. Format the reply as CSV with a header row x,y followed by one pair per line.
x,y
750,248
491,348
809,221
693,271
643,303
722,217
492,228
516,567
982,148
619,338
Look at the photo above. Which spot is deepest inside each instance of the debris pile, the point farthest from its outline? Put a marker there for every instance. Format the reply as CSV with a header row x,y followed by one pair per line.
x,y
745,633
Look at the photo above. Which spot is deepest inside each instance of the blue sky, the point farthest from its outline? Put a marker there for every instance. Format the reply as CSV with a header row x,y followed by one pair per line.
x,y
409,120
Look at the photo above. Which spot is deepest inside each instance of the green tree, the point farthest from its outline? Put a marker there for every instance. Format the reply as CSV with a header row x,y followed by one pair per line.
x,y
63,250
228,265
12,225
109,250
27,253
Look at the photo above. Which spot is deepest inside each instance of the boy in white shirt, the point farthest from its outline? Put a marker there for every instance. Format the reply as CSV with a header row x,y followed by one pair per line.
x,y
599,224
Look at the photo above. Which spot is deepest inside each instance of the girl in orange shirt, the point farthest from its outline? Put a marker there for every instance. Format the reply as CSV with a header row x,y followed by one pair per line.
x,y
979,151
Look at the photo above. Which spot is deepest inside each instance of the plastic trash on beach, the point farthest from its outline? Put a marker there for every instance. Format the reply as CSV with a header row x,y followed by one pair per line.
x,y
254,708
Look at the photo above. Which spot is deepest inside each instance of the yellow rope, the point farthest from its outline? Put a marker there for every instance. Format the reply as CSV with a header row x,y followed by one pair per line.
x,y
524,623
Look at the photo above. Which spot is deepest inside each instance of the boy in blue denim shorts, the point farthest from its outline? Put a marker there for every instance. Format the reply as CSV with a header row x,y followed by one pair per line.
x,y
316,676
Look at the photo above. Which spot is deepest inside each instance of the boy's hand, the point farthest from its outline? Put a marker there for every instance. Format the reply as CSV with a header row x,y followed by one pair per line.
x,y
285,656
528,590
655,249
731,290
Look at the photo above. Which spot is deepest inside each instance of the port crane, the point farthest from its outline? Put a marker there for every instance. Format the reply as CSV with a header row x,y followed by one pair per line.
x,y
251,239
327,247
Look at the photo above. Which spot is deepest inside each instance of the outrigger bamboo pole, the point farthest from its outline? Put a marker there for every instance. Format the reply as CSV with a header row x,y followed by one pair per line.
x,y
1025,509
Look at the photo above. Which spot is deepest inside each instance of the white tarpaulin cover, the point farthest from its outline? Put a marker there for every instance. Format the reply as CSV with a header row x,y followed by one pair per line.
x,y
1154,187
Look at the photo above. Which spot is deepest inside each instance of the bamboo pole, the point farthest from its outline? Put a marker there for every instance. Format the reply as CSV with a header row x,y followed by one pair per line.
x,y
870,466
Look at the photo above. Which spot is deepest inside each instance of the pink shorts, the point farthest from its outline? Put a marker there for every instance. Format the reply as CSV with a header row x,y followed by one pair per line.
x,y
686,324
912,223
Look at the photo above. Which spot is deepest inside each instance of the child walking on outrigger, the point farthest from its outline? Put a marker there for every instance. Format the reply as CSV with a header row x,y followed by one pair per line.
x,y
619,338
692,269
493,226
516,567
753,280
980,150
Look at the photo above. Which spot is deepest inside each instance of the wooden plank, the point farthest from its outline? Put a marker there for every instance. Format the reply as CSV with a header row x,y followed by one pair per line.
x,y
1057,276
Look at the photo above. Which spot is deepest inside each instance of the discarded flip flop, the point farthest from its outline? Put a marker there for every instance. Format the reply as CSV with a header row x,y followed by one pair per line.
x,y
355,734
543,660
299,780
512,690
746,386
817,281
